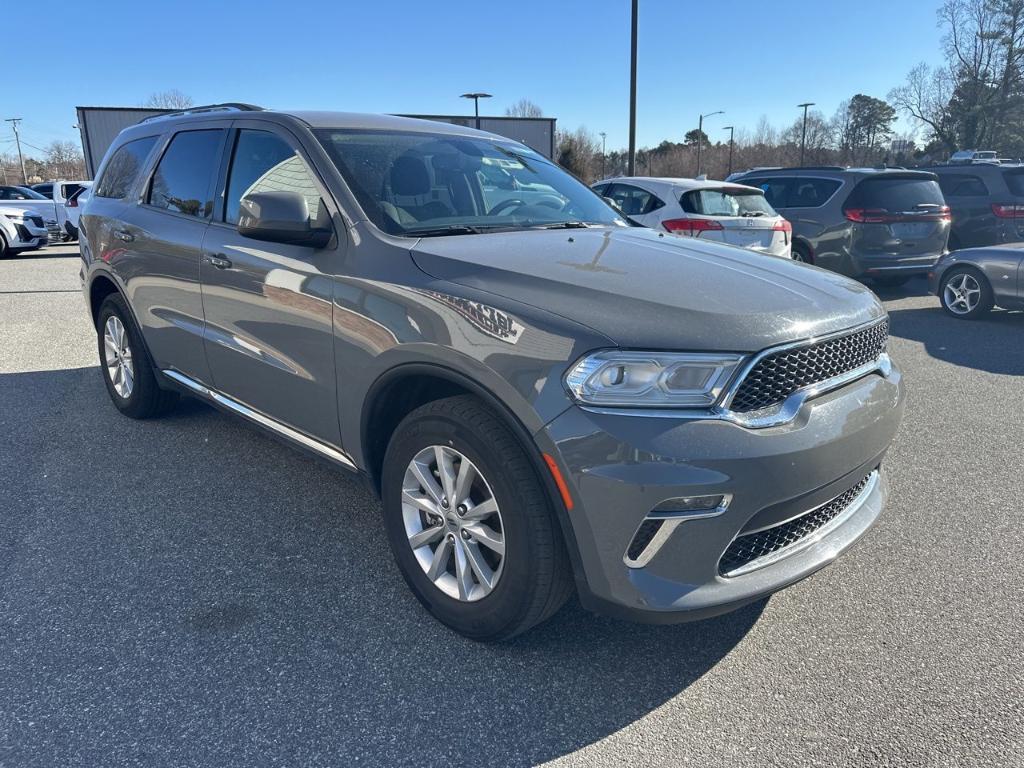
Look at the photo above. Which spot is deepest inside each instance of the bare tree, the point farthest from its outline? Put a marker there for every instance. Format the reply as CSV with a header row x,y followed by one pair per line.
x,y
63,160
524,108
579,152
925,97
172,99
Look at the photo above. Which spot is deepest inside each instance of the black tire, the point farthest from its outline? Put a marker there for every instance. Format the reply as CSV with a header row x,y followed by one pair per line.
x,y
985,301
146,399
5,251
802,253
536,578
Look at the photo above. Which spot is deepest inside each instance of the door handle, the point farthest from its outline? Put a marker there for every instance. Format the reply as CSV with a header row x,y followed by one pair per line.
x,y
217,261
124,235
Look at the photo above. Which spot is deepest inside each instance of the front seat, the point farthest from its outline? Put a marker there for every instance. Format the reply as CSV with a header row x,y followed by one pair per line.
x,y
410,178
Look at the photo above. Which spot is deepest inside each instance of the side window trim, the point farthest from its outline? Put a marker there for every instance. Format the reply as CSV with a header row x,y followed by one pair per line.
x,y
142,194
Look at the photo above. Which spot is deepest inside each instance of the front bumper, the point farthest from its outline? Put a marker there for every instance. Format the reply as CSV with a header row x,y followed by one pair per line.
x,y
621,467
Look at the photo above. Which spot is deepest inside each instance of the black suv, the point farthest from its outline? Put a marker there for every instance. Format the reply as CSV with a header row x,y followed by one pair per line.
x,y
987,203
885,224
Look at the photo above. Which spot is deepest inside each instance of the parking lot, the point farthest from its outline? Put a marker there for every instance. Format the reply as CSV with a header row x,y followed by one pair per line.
x,y
189,591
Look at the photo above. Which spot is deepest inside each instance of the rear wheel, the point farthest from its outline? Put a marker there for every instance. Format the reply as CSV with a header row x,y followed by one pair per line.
x,y
802,253
126,365
471,526
966,293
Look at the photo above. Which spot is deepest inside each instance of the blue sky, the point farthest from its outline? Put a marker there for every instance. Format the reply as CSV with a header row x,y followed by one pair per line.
x,y
571,57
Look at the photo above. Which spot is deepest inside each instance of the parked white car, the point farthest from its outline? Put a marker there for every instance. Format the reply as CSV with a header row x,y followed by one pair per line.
x,y
73,208
29,199
712,210
20,230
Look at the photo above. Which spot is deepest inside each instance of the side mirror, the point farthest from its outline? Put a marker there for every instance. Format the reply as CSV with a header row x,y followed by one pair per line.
x,y
280,217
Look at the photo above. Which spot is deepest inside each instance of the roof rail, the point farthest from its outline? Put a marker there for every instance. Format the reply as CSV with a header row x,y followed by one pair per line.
x,y
228,106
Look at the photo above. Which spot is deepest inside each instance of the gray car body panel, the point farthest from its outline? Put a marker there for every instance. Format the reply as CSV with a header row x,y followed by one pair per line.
x,y
308,338
1002,265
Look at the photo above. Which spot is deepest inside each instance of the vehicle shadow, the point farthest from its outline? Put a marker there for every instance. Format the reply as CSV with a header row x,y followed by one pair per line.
x,y
994,343
191,576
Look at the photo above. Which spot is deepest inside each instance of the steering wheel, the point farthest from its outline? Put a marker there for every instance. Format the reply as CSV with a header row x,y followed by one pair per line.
x,y
505,204
550,201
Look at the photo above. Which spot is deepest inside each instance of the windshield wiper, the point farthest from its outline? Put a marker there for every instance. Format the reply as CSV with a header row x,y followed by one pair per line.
x,y
451,229
565,225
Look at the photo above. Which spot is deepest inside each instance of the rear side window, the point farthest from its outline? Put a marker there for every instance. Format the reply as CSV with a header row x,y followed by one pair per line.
x,y
119,175
44,189
962,185
810,193
725,202
899,194
634,201
264,162
1015,181
183,180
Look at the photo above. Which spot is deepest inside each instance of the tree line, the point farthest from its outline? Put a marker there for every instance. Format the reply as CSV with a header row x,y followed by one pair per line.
x,y
973,100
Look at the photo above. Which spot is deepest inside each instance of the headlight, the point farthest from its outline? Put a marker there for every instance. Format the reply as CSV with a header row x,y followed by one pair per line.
x,y
18,217
651,379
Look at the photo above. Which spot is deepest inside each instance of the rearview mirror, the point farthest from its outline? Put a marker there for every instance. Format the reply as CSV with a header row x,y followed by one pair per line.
x,y
280,217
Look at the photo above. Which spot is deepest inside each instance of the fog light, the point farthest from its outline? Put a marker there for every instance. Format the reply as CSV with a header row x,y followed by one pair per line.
x,y
683,505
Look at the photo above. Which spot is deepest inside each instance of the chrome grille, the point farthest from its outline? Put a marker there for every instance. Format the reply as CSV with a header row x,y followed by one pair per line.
x,y
778,375
747,548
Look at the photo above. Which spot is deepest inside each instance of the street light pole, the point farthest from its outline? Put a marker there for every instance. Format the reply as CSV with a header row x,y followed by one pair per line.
x,y
604,152
17,140
803,133
476,104
731,129
700,135
632,93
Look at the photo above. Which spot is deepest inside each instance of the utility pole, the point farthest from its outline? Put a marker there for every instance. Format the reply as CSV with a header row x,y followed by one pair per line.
x,y
731,129
700,136
632,94
803,133
17,140
604,153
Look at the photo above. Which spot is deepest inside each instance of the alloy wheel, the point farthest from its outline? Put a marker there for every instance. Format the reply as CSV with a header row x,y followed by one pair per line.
x,y
453,523
117,355
961,294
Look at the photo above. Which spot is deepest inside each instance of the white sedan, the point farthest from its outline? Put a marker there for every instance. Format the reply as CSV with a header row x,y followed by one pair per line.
x,y
712,210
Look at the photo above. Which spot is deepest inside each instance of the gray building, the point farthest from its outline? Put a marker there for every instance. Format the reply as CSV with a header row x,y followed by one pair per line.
x,y
99,127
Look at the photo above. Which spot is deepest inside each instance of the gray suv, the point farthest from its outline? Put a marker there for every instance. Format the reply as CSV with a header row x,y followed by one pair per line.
x,y
547,399
887,225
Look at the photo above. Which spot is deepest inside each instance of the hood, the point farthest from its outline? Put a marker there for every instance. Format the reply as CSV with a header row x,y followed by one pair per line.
x,y
45,208
646,290
16,210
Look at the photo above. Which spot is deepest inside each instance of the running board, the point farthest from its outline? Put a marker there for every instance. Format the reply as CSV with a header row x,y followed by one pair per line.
x,y
256,417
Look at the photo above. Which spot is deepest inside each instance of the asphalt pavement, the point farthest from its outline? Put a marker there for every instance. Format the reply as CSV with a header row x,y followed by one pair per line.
x,y
188,591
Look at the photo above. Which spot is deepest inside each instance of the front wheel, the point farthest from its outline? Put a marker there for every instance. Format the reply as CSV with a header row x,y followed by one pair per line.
x,y
965,294
470,524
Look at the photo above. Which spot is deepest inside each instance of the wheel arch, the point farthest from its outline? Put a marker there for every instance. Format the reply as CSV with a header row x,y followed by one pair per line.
x,y
402,389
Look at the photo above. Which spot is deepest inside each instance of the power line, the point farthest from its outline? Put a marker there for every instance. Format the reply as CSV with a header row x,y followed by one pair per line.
x,y
17,139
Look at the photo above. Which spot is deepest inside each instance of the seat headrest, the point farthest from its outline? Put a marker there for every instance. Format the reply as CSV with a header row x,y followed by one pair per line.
x,y
409,176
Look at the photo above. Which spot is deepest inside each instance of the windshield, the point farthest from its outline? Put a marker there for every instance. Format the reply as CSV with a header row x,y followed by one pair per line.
x,y
421,184
726,202
896,194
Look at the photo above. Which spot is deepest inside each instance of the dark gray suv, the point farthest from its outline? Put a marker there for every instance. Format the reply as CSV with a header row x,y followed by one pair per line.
x,y
888,225
547,399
